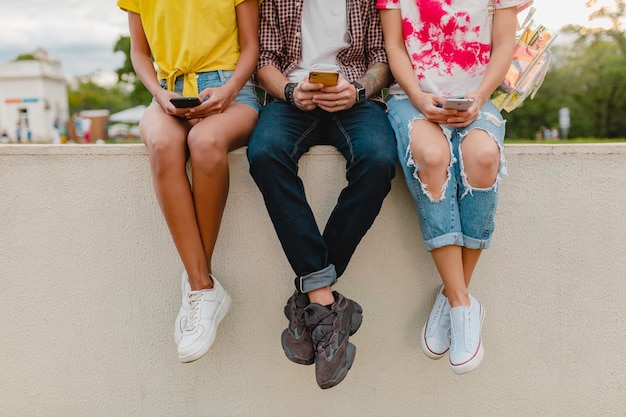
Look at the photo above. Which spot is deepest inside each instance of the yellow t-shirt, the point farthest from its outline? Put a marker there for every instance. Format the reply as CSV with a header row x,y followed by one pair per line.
x,y
189,36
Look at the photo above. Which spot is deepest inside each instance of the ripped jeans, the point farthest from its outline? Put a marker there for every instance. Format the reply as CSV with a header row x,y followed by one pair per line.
x,y
464,215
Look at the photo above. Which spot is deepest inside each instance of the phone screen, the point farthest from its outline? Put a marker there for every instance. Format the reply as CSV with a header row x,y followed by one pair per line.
x,y
185,102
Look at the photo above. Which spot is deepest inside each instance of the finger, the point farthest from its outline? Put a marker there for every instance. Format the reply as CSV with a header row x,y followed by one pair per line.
x,y
307,86
325,107
329,102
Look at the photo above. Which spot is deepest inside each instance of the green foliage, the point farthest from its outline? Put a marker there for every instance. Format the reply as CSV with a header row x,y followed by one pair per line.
x,y
128,92
587,76
123,45
26,57
88,95
126,74
591,82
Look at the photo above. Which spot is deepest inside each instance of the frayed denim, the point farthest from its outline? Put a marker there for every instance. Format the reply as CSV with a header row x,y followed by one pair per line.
x,y
464,215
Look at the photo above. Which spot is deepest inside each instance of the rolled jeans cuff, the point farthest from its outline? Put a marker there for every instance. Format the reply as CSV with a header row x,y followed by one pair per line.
x,y
316,280
449,239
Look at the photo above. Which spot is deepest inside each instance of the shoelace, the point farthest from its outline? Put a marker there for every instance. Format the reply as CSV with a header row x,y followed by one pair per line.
x,y
438,311
193,314
435,318
324,329
469,339
299,304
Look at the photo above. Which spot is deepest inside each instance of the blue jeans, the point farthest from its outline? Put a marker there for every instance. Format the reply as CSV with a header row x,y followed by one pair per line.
x,y
282,135
464,215
246,95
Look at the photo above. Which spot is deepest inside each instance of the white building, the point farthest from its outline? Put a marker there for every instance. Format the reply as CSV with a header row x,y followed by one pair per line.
x,y
33,98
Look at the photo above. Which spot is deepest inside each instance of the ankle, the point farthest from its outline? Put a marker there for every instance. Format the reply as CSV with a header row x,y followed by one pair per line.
x,y
201,282
459,300
323,296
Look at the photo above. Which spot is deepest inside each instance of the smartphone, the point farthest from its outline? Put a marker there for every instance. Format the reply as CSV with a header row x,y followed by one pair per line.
x,y
460,104
328,78
185,102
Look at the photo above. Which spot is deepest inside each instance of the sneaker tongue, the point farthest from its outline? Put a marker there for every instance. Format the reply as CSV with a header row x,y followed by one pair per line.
x,y
458,319
193,313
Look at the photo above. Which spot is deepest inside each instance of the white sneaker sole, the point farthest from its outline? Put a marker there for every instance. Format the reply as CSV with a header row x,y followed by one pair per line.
x,y
470,364
427,351
206,345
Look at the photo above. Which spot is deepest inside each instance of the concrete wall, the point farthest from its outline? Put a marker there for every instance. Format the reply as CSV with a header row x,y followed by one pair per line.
x,y
89,289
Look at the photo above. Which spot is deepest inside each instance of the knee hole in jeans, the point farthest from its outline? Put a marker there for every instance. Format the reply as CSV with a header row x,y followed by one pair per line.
x,y
481,158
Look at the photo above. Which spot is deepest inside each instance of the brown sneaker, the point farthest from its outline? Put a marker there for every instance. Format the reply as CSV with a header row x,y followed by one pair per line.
x,y
296,339
330,330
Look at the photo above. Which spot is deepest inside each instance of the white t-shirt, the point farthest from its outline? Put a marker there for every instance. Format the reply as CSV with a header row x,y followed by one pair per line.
x,y
322,22
448,41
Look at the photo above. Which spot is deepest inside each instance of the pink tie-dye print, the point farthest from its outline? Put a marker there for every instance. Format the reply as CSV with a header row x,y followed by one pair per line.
x,y
448,41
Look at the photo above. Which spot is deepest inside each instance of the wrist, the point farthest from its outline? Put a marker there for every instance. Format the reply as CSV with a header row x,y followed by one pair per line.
x,y
360,94
289,89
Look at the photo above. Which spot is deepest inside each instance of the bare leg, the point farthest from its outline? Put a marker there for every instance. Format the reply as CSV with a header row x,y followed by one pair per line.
x,y
209,143
470,259
166,139
431,153
449,263
193,217
481,158
323,296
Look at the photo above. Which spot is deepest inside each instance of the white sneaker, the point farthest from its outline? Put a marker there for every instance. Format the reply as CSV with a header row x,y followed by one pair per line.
x,y
184,306
206,309
435,336
466,347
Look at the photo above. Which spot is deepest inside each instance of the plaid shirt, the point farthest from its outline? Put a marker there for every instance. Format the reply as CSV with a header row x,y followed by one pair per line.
x,y
281,44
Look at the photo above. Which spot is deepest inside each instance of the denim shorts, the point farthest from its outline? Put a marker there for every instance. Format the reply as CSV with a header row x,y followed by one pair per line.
x,y
464,215
212,79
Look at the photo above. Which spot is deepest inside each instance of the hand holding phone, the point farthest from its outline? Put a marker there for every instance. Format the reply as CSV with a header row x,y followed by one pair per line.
x,y
185,102
328,78
460,104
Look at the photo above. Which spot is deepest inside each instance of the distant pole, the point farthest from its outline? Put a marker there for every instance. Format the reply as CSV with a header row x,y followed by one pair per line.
x,y
564,122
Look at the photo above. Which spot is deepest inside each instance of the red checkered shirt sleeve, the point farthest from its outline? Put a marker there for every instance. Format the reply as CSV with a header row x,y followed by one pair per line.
x,y
368,46
279,34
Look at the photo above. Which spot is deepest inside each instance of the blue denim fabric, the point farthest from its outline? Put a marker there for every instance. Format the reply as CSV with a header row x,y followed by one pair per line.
x,y
365,139
464,215
213,79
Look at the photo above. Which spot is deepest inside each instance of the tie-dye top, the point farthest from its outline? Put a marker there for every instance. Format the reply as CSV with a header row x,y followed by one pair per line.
x,y
448,41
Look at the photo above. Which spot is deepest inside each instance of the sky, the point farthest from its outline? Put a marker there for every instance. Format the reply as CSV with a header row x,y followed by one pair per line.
x,y
81,34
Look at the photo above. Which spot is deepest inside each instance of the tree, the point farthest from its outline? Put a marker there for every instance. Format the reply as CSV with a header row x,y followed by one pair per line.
x,y
603,86
126,74
614,16
25,57
587,76
87,95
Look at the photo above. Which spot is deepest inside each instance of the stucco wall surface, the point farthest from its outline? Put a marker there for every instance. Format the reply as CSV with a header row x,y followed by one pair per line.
x,y
89,289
